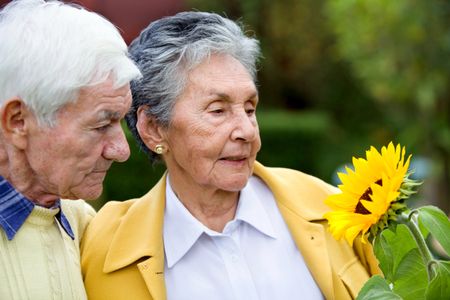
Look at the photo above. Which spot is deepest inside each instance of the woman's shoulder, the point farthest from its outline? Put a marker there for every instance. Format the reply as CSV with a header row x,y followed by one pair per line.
x,y
287,178
300,192
101,230
115,208
108,218
128,215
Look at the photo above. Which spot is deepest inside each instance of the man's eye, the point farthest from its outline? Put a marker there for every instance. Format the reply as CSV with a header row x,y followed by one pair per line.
x,y
103,128
250,111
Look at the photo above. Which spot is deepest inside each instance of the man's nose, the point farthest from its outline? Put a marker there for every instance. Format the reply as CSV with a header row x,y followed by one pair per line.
x,y
117,148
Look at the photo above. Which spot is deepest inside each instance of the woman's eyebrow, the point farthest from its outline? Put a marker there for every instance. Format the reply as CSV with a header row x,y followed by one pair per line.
x,y
226,97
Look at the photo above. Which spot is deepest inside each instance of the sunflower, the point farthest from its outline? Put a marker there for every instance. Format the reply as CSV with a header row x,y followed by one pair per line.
x,y
372,194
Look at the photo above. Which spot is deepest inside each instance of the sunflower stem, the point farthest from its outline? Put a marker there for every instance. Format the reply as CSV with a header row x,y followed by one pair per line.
x,y
420,241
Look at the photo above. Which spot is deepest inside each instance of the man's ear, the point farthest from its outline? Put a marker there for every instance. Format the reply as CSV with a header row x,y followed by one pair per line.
x,y
13,118
150,132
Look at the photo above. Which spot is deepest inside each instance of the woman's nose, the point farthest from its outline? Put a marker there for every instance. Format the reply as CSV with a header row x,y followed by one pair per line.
x,y
245,127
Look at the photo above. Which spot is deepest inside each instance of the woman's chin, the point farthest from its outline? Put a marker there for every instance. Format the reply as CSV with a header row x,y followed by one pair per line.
x,y
234,184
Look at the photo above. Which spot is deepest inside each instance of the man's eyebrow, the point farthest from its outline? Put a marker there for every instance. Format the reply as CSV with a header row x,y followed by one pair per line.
x,y
108,115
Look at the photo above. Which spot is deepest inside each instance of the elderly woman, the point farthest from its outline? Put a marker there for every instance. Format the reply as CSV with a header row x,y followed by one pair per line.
x,y
218,225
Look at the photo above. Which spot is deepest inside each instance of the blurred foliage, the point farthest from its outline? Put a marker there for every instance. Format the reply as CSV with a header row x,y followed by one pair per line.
x,y
400,50
336,77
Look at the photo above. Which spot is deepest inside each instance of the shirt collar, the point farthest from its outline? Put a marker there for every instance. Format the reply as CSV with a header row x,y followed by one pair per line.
x,y
181,229
252,211
15,209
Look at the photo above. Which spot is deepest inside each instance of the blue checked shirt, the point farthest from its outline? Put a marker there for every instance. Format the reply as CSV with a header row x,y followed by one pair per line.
x,y
15,209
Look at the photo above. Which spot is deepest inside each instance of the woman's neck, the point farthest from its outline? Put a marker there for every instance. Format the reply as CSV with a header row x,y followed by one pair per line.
x,y
214,208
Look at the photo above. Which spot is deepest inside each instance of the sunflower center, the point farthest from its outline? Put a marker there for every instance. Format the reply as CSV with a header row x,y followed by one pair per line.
x,y
360,209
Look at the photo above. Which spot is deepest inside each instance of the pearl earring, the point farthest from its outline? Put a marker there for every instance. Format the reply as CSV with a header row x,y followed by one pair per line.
x,y
159,149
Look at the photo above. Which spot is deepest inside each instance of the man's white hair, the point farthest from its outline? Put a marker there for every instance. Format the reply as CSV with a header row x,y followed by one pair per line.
x,y
51,50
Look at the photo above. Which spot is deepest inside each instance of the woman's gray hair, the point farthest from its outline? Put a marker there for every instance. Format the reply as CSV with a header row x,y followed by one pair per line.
x,y
169,48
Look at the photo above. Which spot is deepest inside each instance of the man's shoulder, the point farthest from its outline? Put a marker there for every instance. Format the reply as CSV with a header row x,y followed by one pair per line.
x,y
76,207
79,214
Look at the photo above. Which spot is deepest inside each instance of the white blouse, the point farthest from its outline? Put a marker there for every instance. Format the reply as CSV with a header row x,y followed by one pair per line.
x,y
253,258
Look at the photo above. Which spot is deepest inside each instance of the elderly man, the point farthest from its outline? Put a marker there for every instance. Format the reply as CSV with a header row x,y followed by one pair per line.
x,y
64,88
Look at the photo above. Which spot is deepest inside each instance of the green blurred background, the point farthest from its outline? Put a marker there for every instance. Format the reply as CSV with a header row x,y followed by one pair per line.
x,y
337,77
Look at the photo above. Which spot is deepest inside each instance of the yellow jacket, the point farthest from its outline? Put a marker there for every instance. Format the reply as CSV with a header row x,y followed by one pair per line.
x,y
123,252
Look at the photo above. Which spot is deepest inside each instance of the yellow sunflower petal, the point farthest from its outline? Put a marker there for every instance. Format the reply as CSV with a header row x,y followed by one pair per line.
x,y
340,202
368,190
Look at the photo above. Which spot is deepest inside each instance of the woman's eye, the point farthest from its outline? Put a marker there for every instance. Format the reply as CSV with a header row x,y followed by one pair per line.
x,y
217,111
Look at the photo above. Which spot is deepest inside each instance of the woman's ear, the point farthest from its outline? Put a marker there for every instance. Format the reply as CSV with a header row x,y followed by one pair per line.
x,y
14,117
149,130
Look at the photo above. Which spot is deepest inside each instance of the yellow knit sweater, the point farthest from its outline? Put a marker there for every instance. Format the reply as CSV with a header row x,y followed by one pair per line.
x,y
42,261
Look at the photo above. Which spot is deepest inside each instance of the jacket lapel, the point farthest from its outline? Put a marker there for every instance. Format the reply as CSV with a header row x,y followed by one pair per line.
x,y
299,207
139,238
152,270
310,240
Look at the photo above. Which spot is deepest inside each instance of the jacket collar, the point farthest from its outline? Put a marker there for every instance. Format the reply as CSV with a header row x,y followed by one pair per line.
x,y
305,199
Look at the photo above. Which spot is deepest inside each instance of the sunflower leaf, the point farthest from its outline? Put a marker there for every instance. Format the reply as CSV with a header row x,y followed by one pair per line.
x,y
383,252
439,287
411,278
391,247
376,288
393,227
436,222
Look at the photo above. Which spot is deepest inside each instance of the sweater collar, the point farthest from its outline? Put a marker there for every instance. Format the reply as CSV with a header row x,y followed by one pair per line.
x,y
15,208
